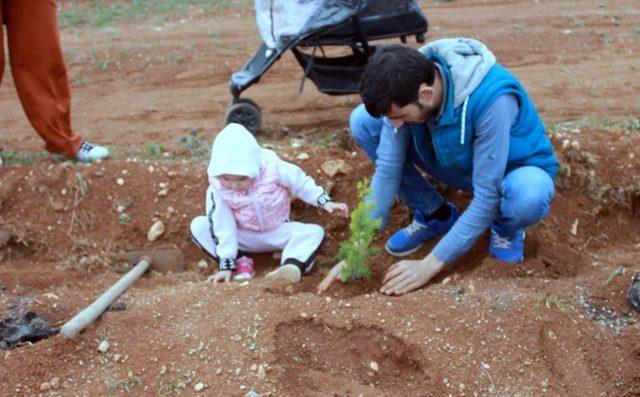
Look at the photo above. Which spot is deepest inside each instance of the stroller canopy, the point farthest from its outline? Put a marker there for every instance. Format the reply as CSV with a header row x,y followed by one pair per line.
x,y
282,21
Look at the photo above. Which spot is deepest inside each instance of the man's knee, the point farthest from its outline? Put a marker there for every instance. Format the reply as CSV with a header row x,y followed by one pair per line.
x,y
527,195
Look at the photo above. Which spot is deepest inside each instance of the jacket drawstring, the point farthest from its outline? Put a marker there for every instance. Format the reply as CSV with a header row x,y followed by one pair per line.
x,y
464,117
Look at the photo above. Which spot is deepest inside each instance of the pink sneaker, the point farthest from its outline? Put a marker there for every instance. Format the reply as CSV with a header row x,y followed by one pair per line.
x,y
244,269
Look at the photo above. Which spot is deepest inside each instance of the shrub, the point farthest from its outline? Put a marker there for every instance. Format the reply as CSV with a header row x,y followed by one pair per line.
x,y
355,251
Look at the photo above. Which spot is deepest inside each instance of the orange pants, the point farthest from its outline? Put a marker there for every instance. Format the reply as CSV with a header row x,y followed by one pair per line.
x,y
39,71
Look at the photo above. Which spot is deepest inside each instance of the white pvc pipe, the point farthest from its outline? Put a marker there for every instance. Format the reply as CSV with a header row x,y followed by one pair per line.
x,y
93,311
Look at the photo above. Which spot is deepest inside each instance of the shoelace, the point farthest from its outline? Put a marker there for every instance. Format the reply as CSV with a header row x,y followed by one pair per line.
x,y
499,241
86,147
414,227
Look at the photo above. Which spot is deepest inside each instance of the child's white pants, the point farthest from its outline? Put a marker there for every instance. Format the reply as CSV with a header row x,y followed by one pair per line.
x,y
299,242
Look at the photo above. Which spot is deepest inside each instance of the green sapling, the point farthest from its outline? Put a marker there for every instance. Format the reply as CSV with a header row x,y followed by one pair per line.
x,y
355,251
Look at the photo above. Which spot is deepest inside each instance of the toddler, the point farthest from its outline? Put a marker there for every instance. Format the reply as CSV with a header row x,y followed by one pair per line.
x,y
248,205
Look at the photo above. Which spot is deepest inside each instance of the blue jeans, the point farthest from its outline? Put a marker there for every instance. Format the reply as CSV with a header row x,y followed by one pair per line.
x,y
526,191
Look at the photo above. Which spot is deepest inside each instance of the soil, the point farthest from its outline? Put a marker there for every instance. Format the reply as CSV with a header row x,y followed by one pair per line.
x,y
156,90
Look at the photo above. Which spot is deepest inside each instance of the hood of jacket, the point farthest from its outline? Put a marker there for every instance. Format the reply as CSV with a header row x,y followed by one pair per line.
x,y
468,60
235,151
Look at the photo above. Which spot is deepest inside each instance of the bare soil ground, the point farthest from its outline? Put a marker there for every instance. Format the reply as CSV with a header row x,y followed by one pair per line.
x,y
556,325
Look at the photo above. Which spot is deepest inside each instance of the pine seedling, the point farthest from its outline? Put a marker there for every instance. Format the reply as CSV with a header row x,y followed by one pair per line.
x,y
355,251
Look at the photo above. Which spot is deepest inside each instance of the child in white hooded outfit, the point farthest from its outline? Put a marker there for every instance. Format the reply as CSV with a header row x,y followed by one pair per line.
x,y
248,205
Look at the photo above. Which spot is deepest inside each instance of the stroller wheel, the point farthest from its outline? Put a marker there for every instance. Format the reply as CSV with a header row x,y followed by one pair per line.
x,y
247,113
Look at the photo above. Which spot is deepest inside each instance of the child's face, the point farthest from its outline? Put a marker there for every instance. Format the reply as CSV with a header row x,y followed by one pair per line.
x,y
235,182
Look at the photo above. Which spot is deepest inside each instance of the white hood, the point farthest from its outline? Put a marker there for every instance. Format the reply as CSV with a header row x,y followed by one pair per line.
x,y
468,60
235,151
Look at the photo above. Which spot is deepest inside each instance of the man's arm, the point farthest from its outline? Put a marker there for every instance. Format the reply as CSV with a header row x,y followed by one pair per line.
x,y
385,182
490,155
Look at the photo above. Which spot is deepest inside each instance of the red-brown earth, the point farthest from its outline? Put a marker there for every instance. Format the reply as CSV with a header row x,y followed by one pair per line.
x,y
558,324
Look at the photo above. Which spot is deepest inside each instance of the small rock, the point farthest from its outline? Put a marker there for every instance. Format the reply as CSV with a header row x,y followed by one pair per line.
x,y
544,384
333,167
252,394
163,192
202,265
121,208
633,294
116,358
55,383
118,306
155,231
198,386
120,181
45,386
261,373
302,156
374,366
104,346
5,236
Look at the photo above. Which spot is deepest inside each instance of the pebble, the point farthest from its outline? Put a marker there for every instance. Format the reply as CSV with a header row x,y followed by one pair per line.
x,y
374,366
55,383
202,265
198,386
302,156
261,373
252,394
120,181
116,358
45,386
104,346
155,231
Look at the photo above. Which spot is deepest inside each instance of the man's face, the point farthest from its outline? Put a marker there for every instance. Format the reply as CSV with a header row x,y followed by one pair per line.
x,y
414,113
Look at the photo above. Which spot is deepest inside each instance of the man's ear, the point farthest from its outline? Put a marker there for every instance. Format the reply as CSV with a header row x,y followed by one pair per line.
x,y
426,93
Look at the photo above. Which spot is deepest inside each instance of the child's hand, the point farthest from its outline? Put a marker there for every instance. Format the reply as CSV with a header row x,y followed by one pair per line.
x,y
222,276
331,206
330,278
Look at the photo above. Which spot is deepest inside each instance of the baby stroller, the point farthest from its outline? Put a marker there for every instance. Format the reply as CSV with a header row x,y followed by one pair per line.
x,y
315,25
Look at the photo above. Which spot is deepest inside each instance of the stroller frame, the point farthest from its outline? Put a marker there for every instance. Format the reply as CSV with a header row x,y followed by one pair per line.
x,y
331,75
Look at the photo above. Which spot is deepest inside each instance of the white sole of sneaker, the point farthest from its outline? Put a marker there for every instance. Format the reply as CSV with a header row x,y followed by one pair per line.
x,y
403,253
290,273
244,276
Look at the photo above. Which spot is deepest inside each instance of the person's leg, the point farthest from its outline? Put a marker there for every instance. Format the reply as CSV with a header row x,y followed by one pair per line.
x,y
300,243
526,200
201,235
41,78
1,58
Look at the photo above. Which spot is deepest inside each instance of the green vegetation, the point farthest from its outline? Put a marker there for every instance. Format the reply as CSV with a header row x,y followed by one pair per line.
x,y
197,147
629,126
97,14
357,249
15,158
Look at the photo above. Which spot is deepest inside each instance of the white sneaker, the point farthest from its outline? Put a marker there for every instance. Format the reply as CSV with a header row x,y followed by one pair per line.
x,y
90,152
291,273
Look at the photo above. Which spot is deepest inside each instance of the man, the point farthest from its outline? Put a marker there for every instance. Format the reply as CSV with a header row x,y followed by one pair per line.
x,y
40,76
451,111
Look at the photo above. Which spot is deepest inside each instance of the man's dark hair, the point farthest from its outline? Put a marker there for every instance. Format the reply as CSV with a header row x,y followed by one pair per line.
x,y
393,74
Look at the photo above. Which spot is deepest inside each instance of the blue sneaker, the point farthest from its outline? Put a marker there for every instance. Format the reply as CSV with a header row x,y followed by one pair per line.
x,y
505,247
408,240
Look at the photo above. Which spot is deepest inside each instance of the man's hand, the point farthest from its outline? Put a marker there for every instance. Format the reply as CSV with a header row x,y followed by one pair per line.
x,y
330,278
330,207
222,276
409,275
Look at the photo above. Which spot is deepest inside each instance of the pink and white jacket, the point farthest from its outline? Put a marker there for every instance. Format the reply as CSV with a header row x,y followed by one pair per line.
x,y
267,203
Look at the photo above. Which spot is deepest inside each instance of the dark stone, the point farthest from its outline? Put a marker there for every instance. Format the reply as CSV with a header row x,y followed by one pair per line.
x,y
633,294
